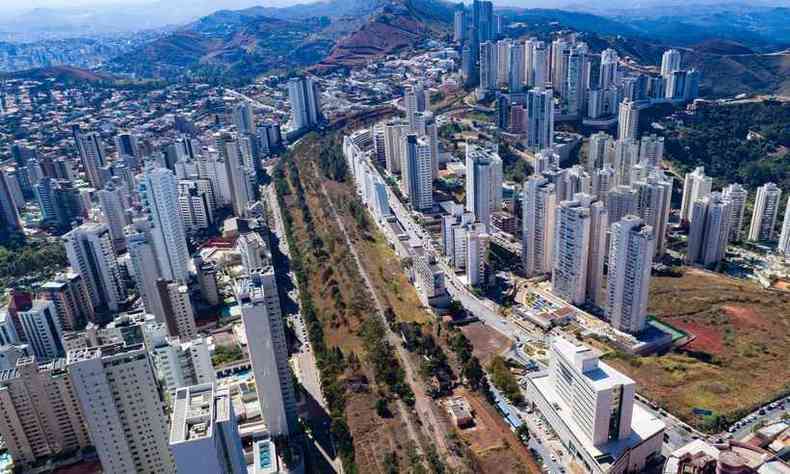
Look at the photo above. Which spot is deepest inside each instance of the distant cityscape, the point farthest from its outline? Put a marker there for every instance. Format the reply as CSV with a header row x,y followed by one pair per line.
x,y
520,188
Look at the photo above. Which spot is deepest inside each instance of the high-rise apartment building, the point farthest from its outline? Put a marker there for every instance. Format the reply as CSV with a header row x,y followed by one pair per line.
x,y
538,221
710,230
9,214
243,118
766,208
159,191
628,120
204,434
651,150
621,201
43,330
578,79
540,65
93,157
695,186
477,241
415,101
784,237
459,25
90,252
571,251
516,80
40,415
483,183
113,214
609,74
631,249
394,131
580,249
178,313
117,388
145,267
489,59
240,176
181,362
268,348
417,170
560,53
67,291
736,194
540,119
670,62
654,202
304,96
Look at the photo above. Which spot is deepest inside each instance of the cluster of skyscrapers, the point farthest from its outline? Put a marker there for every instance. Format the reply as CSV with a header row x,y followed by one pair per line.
x,y
93,357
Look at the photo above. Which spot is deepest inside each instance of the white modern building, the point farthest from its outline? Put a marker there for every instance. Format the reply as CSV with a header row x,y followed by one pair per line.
x,y
737,195
477,241
181,362
415,100
417,180
631,249
579,249
590,406
695,186
670,62
784,237
43,330
628,120
654,202
483,183
118,391
204,434
539,209
766,208
263,325
710,230
159,191
91,254
145,267
304,96
113,214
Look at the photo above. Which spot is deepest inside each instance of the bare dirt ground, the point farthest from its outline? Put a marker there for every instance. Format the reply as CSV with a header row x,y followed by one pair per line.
x,y
739,359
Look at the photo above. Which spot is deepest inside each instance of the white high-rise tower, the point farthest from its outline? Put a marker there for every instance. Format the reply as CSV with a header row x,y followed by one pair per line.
x,y
268,348
540,202
766,208
631,251
159,189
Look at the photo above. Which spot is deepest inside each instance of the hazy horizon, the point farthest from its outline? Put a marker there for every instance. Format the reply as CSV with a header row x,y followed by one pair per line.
x,y
19,7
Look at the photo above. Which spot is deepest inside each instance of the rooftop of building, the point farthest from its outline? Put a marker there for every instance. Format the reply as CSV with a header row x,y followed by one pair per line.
x,y
598,374
193,413
106,351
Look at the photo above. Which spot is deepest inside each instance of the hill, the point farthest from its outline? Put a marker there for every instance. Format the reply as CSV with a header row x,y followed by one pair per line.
x,y
59,73
396,26
239,45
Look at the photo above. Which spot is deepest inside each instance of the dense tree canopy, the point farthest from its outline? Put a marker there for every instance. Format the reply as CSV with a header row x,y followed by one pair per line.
x,y
716,138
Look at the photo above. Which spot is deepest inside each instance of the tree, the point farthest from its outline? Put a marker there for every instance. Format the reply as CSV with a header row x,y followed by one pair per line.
x,y
382,408
523,433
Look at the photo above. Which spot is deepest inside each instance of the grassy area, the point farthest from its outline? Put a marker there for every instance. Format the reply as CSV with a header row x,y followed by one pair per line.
x,y
342,310
739,359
